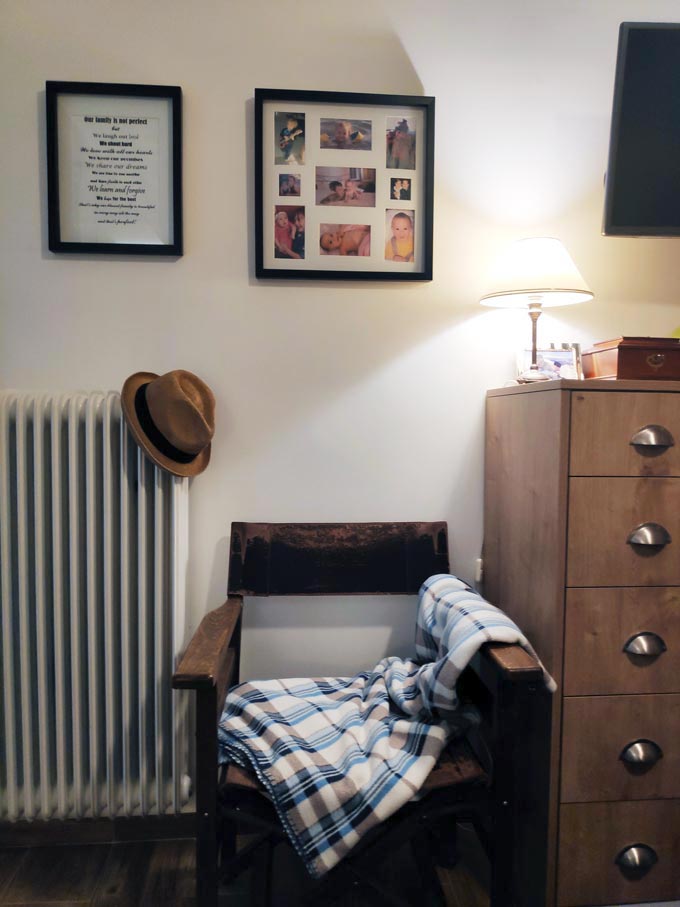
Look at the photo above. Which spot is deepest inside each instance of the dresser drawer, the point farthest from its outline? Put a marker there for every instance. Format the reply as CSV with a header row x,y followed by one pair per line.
x,y
597,730
602,514
604,424
600,622
593,834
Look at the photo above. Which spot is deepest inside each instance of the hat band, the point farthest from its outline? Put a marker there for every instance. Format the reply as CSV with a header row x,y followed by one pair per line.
x,y
159,441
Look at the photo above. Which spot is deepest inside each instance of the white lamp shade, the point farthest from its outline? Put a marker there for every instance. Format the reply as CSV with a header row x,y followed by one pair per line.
x,y
535,270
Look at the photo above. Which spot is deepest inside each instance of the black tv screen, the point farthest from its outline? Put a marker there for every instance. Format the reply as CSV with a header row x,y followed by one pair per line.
x,y
642,193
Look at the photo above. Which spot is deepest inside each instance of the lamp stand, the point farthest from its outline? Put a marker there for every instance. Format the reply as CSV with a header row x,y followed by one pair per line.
x,y
533,373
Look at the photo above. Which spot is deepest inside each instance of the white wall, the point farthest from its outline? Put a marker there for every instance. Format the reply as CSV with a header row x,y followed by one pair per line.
x,y
335,401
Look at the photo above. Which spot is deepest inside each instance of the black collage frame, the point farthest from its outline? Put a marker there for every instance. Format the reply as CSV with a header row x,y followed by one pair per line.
x,y
267,170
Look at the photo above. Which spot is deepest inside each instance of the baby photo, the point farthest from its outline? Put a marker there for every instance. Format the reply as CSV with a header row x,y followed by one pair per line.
x,y
289,231
399,233
400,189
401,144
289,129
345,239
289,184
345,186
352,135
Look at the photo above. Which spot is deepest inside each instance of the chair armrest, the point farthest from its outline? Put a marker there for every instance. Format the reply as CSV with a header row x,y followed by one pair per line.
x,y
507,686
208,667
208,659
514,662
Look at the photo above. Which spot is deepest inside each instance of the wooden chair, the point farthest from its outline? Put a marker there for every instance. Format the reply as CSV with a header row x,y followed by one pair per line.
x,y
498,782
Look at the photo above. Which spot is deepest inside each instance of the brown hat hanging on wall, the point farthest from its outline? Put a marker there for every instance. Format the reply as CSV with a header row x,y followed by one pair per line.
x,y
172,418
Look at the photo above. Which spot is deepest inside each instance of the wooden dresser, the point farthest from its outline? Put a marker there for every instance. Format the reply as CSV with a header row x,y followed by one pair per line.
x,y
582,548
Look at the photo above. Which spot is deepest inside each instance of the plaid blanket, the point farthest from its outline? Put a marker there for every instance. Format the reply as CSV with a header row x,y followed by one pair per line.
x,y
340,755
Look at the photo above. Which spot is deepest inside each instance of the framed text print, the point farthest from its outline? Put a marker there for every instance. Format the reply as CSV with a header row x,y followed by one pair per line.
x,y
114,168
343,185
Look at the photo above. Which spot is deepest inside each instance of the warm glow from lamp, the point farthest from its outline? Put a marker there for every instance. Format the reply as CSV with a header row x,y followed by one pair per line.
x,y
535,274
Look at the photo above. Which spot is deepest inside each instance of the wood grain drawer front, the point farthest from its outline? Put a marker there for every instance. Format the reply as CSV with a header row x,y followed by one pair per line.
x,y
593,834
604,424
600,622
602,514
596,730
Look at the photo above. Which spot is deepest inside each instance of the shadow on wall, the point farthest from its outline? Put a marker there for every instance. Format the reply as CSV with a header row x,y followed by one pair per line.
x,y
361,67
342,635
319,345
632,269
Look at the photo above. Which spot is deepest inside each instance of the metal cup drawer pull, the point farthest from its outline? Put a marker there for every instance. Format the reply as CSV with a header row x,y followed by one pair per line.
x,y
641,752
650,535
637,858
647,645
652,436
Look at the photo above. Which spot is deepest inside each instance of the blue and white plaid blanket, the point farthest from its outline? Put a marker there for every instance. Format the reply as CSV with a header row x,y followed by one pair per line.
x,y
340,755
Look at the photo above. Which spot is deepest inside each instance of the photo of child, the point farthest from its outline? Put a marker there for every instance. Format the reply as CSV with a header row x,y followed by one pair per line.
x,y
351,186
354,135
345,239
289,184
352,190
289,129
298,248
401,144
400,189
289,231
399,232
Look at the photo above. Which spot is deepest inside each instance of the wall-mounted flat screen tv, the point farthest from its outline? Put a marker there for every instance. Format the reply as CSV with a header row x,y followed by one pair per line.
x,y
642,187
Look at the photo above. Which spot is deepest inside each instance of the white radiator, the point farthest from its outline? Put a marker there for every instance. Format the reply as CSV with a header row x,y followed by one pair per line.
x,y
93,548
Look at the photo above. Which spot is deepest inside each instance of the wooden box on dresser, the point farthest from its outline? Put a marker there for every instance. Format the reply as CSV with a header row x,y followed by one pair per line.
x,y
573,469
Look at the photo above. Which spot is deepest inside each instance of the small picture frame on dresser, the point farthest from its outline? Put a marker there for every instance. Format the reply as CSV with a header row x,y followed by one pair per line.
x,y
557,360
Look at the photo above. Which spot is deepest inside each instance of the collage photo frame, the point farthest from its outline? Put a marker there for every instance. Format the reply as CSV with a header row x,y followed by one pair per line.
x,y
344,184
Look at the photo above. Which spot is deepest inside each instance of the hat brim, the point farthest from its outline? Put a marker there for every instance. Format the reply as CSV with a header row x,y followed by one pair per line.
x,y
127,401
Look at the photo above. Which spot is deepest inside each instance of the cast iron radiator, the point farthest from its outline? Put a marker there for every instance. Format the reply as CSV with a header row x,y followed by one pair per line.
x,y
93,550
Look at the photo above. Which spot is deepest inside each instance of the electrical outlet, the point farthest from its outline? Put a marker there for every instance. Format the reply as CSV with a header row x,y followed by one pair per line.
x,y
479,570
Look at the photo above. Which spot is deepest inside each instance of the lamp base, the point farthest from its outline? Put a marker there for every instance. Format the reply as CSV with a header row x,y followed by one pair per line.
x,y
534,374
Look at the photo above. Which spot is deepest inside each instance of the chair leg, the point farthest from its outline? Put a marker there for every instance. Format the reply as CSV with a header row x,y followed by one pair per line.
x,y
427,869
206,863
261,875
502,885
227,843
206,799
443,839
520,796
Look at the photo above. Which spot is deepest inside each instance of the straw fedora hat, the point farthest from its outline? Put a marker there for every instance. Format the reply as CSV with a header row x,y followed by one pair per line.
x,y
172,418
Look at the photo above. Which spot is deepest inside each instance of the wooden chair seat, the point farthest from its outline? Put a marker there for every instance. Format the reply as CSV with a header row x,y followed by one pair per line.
x,y
457,765
235,776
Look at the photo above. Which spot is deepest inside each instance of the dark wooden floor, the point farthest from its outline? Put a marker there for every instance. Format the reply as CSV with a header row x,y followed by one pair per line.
x,y
147,874
124,875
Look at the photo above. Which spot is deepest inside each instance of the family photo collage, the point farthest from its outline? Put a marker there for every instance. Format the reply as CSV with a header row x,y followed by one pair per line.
x,y
344,187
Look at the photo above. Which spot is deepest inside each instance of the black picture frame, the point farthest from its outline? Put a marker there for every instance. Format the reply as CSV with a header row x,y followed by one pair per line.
x,y
139,194
371,139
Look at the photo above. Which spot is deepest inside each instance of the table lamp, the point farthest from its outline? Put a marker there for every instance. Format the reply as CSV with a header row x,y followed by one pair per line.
x,y
535,274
